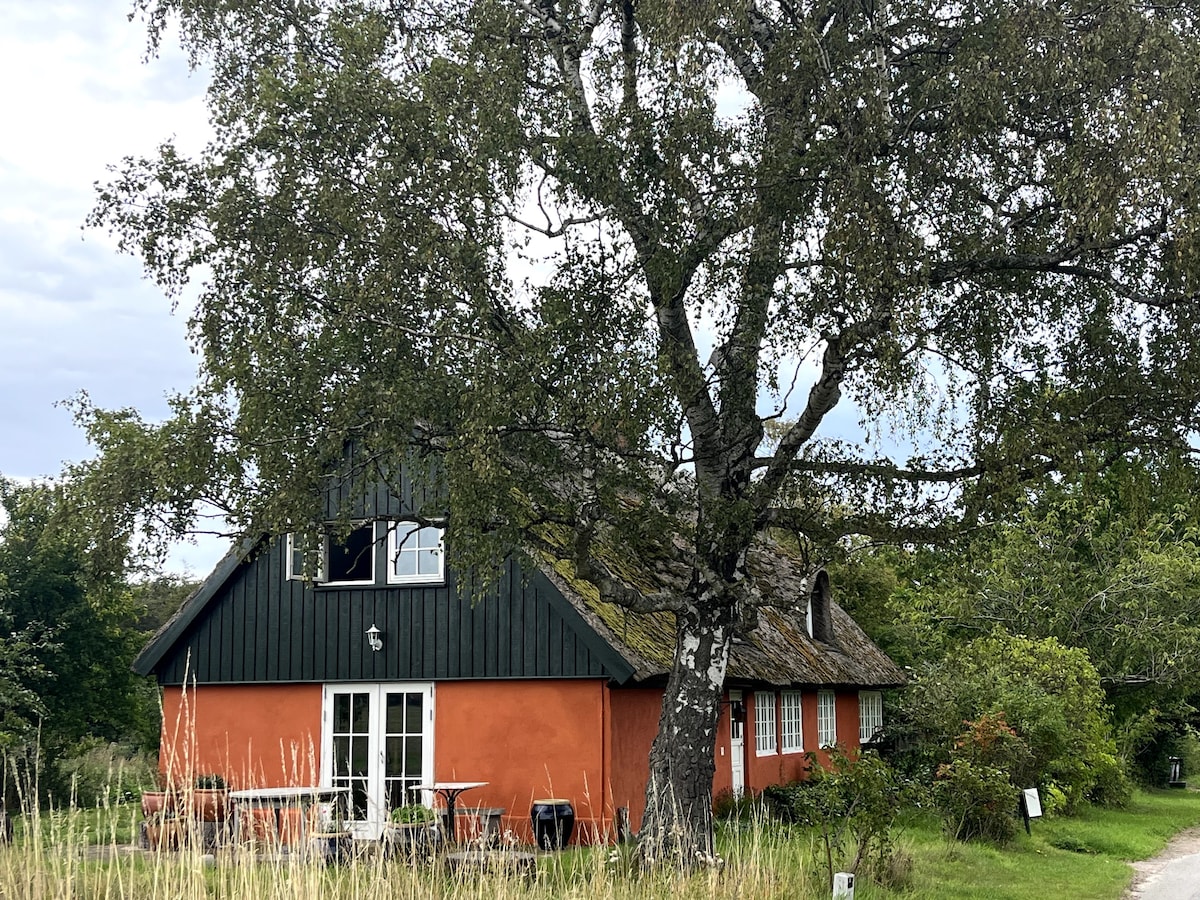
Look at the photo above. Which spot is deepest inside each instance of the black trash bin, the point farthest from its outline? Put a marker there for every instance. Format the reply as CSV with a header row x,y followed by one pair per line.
x,y
553,821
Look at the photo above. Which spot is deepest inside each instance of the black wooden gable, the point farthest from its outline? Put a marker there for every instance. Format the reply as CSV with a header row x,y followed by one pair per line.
x,y
249,624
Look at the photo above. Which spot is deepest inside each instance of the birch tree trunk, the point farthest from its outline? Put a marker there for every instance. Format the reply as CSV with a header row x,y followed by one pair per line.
x,y
677,825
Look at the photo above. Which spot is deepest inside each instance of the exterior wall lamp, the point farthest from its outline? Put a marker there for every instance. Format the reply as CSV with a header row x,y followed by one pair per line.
x,y
373,638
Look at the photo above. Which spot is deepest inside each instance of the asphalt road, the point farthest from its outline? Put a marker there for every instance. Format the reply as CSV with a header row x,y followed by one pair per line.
x,y
1175,875
1177,880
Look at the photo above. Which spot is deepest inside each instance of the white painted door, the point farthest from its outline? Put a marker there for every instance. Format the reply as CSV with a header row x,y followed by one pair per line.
x,y
377,740
737,745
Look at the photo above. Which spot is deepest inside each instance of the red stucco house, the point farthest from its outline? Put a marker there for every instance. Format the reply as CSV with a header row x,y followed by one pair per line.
x,y
380,675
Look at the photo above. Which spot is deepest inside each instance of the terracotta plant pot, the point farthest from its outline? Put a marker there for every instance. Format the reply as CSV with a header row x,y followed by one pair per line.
x,y
210,805
157,802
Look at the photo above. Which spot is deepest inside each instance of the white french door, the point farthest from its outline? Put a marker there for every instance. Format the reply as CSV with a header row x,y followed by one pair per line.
x,y
377,741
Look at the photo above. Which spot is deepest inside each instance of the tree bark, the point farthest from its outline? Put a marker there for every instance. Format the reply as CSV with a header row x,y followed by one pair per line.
x,y
677,826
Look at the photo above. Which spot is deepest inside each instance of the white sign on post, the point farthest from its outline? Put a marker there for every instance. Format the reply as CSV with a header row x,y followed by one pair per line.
x,y
1033,803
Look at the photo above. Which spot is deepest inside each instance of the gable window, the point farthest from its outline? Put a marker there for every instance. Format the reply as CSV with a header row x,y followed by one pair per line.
x,y
793,729
764,722
870,716
415,554
351,561
826,719
305,558
335,561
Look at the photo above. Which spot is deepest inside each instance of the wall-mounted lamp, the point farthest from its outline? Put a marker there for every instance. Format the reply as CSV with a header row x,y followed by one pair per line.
x,y
374,639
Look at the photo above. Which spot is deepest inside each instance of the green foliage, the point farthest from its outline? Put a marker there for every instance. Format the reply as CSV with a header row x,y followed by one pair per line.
x,y
412,814
976,791
101,773
1050,696
852,805
67,667
1109,562
210,782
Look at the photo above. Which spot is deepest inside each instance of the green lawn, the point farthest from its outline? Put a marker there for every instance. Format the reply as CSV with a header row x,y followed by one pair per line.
x,y
1085,856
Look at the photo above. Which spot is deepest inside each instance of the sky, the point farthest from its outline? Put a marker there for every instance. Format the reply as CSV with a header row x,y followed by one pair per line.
x,y
75,314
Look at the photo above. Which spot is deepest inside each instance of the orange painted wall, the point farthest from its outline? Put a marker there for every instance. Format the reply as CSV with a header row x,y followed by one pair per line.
x,y
576,739
254,735
529,739
635,714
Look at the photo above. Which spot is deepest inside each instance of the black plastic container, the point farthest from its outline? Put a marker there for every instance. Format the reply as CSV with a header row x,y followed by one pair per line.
x,y
553,821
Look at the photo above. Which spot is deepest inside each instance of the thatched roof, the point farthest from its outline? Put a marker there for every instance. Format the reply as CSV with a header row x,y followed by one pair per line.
x,y
777,650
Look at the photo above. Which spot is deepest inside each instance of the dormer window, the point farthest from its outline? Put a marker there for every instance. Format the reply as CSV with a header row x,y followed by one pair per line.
x,y
415,554
820,610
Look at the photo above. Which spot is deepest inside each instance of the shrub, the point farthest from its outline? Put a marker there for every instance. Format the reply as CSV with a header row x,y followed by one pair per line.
x,y
1048,694
853,807
99,772
976,792
976,801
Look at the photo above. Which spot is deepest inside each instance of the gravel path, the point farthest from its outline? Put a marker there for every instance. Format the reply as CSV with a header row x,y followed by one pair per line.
x,y
1172,875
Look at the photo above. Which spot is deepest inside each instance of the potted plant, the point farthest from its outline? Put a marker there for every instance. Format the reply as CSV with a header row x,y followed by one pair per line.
x,y
411,830
210,799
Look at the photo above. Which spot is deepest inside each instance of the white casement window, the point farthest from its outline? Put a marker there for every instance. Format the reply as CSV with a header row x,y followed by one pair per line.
x,y
415,554
826,719
793,729
305,558
870,716
351,560
764,723
348,560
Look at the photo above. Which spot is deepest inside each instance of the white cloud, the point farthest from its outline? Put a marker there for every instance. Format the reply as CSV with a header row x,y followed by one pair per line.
x,y
74,314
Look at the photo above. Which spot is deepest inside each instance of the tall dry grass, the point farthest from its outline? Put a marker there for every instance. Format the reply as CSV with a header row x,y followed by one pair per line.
x,y
76,853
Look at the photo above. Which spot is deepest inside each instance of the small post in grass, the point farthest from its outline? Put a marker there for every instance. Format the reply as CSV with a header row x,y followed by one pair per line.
x,y
1031,806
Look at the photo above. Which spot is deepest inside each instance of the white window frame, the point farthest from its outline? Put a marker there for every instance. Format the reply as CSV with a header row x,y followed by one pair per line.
x,y
870,715
826,719
791,717
766,742
294,574
320,576
354,526
394,548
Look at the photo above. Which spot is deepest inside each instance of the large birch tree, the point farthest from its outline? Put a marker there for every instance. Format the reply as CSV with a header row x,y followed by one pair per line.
x,y
581,252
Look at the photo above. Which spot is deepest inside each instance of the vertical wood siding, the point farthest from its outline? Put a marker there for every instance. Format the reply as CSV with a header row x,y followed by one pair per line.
x,y
265,628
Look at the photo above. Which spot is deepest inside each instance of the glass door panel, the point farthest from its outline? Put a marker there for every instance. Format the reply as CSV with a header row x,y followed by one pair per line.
x,y
351,749
404,761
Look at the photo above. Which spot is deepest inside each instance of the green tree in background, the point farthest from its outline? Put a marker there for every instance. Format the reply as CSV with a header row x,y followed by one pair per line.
x,y
73,648
578,253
